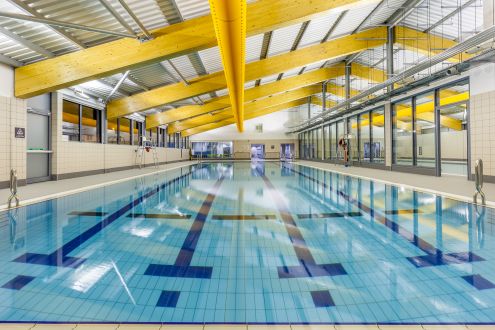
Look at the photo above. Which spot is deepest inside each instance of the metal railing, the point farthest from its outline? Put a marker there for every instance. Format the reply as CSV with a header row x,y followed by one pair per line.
x,y
478,182
13,189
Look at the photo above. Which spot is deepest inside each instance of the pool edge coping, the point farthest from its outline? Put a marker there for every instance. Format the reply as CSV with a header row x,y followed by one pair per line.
x,y
460,198
23,203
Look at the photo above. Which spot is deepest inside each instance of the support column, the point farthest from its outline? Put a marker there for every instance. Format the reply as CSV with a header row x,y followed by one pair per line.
x,y
390,55
388,134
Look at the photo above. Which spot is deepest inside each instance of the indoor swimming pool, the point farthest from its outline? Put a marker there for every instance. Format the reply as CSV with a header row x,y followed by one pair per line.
x,y
241,242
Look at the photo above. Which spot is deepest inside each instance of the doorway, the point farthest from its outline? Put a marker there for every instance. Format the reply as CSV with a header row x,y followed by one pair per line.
x,y
257,151
287,151
38,139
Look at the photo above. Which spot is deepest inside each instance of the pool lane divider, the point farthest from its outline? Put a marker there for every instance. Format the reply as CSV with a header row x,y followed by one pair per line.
x,y
60,258
307,265
182,266
433,257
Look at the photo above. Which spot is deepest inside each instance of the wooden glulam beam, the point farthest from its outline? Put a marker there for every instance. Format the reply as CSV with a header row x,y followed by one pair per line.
x,y
249,107
171,41
273,65
226,122
229,20
251,94
426,43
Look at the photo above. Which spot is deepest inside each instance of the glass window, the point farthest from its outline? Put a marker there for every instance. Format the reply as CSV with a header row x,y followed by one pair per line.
x,y
326,141
453,128
425,129
354,142
340,134
90,125
319,144
70,121
332,141
112,131
377,146
364,140
136,135
402,133
124,131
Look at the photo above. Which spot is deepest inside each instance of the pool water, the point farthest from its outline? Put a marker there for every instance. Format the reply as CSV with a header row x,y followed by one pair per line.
x,y
244,242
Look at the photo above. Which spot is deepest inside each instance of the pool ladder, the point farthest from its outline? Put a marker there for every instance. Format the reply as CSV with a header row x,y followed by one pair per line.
x,y
478,182
13,189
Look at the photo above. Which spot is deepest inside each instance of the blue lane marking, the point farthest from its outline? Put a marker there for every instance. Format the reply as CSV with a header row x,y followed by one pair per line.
x,y
479,282
168,299
322,298
59,257
307,265
18,282
182,266
434,256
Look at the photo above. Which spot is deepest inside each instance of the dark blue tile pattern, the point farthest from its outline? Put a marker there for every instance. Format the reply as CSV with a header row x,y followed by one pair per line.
x,y
479,282
168,299
59,257
329,215
434,256
159,216
403,211
88,213
182,266
307,265
322,298
243,217
18,282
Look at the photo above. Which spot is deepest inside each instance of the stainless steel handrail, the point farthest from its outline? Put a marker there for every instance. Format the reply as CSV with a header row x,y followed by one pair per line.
x,y
478,182
13,189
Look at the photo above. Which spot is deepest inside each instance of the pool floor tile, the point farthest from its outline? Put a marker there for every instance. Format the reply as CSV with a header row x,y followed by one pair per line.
x,y
182,327
312,327
357,327
97,326
268,327
47,326
139,326
225,326
444,327
16,326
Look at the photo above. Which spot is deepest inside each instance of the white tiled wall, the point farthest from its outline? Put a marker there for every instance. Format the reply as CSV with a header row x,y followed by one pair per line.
x,y
482,131
12,150
73,157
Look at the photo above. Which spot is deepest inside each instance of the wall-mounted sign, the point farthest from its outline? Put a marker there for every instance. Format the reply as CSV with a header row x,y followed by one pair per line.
x,y
20,132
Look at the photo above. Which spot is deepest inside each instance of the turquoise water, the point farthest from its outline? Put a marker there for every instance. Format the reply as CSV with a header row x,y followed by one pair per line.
x,y
248,243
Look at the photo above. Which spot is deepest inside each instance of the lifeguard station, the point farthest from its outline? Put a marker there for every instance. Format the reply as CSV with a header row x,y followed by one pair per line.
x,y
145,147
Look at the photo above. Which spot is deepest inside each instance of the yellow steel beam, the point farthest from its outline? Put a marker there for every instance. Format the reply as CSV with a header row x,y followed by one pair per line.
x,y
426,43
251,94
225,122
171,41
255,70
368,73
249,107
445,121
229,20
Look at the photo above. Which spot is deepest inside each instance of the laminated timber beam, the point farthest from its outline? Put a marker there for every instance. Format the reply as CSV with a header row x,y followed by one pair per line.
x,y
426,43
168,42
229,20
318,101
251,94
249,107
226,122
255,70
